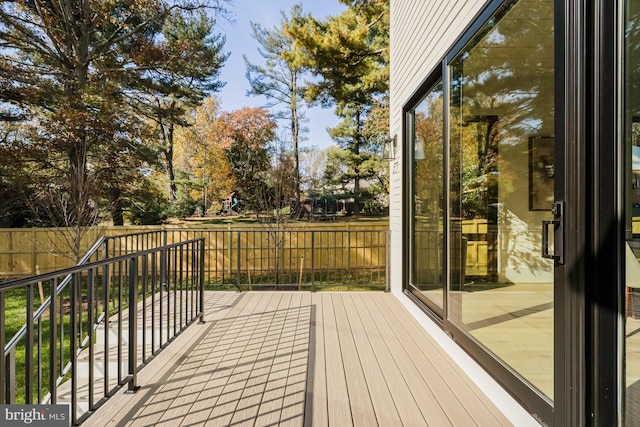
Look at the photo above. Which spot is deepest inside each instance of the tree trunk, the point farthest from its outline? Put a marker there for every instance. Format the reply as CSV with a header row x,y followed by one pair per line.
x,y
295,131
167,136
356,151
117,212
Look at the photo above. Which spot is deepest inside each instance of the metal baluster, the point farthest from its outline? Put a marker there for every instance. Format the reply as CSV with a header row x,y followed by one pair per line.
x,y
52,342
29,347
133,326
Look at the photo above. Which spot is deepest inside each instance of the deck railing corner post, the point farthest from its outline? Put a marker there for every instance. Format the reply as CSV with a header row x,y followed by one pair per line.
x,y
201,272
387,262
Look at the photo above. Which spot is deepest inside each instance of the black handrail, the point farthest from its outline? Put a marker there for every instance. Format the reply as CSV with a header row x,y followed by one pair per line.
x,y
101,243
143,279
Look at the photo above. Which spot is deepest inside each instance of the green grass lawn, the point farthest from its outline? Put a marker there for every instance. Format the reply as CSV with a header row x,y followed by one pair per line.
x,y
15,319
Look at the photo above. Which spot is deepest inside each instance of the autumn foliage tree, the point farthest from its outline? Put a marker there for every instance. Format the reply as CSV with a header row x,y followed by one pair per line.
x,y
200,153
247,135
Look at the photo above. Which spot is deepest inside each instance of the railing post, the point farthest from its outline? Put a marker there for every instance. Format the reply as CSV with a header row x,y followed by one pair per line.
x,y
53,340
29,350
238,261
201,281
11,376
313,264
73,345
163,262
92,277
3,359
387,261
105,249
133,326
163,270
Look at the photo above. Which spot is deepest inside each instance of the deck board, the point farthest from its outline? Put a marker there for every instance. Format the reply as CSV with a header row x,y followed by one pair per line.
x,y
446,378
421,389
316,411
294,397
278,360
337,394
362,408
235,371
304,359
383,349
433,389
381,399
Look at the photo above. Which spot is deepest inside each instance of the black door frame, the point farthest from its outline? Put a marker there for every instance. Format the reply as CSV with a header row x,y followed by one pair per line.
x,y
601,66
570,187
588,296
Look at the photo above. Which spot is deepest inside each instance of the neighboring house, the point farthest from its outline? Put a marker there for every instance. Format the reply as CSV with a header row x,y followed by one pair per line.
x,y
512,188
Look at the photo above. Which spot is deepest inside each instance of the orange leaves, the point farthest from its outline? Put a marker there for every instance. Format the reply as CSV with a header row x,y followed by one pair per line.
x,y
250,128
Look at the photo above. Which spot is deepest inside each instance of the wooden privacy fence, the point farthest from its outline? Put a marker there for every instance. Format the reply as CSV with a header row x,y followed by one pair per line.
x,y
469,242
331,254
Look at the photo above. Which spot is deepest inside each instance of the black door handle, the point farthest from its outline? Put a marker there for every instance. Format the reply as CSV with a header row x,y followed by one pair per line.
x,y
557,224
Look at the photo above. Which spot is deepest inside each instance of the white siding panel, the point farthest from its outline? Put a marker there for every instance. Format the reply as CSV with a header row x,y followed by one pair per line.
x,y
421,33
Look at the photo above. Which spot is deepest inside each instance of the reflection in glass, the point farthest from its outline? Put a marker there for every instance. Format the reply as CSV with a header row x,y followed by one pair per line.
x,y
501,109
427,189
632,192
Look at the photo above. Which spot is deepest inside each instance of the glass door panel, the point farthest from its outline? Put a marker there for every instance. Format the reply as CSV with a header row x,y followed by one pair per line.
x,y
632,199
502,189
427,220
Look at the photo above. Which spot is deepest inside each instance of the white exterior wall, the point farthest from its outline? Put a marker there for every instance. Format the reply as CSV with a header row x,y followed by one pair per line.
x,y
422,31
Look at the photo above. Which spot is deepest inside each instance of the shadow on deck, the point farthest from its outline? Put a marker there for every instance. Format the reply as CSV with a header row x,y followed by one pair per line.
x,y
303,359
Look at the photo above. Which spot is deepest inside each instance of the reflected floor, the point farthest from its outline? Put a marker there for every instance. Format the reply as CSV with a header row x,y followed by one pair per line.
x,y
515,322
633,371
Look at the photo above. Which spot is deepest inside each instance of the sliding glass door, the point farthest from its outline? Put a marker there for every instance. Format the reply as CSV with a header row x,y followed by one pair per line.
x,y
482,214
427,197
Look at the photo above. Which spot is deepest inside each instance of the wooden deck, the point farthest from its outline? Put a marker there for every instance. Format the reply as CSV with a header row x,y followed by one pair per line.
x,y
302,359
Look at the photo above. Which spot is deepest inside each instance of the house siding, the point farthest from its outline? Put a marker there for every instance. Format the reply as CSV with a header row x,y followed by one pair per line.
x,y
421,33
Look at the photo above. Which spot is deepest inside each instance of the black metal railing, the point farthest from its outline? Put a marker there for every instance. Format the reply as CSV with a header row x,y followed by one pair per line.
x,y
101,321
302,259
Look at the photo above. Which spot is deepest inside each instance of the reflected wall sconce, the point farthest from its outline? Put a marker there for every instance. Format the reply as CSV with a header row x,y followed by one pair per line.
x,y
418,149
389,147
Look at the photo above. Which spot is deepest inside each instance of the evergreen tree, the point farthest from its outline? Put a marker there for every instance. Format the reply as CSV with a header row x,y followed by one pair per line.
x,y
349,55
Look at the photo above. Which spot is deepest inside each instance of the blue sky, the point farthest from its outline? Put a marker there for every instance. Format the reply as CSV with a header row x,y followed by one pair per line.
x,y
239,42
